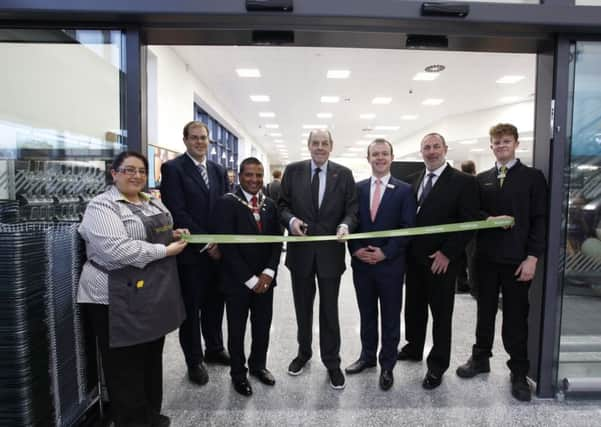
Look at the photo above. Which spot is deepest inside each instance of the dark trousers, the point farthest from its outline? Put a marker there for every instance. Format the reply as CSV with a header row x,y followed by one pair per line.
x,y
260,306
436,291
495,277
133,374
200,290
303,291
387,289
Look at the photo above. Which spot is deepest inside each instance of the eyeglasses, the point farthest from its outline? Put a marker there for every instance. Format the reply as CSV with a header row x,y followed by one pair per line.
x,y
131,171
198,137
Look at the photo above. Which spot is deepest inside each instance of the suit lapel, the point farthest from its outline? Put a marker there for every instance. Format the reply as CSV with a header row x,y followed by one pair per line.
x,y
192,171
385,197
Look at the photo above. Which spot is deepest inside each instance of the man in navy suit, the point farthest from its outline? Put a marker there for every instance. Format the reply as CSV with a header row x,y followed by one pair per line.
x,y
385,203
444,196
190,187
249,273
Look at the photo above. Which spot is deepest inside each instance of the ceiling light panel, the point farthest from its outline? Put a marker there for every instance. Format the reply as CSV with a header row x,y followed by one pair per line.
x,y
387,127
275,134
432,101
329,99
267,114
272,126
324,115
375,135
248,72
259,98
424,76
338,74
508,80
381,100
315,127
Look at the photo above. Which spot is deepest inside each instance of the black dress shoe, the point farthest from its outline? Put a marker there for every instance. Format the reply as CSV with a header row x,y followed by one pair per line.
x,y
296,366
404,355
520,389
264,376
431,381
160,420
358,366
198,374
337,381
473,367
386,379
243,387
219,358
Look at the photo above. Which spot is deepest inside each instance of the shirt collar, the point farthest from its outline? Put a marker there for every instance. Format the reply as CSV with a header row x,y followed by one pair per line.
x,y
323,167
384,180
196,162
116,195
509,164
437,172
249,196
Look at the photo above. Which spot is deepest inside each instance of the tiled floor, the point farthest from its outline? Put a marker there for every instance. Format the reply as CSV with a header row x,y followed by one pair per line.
x,y
308,400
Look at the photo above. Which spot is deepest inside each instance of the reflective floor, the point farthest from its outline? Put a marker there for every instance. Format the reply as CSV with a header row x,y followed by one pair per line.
x,y
308,400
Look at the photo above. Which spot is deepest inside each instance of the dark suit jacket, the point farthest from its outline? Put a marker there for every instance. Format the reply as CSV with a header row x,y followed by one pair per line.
x,y
185,194
241,261
523,196
396,210
273,190
454,198
339,205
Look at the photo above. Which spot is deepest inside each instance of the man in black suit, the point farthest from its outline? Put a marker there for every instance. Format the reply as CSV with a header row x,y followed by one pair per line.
x,y
318,197
506,258
273,189
385,203
249,272
190,187
444,196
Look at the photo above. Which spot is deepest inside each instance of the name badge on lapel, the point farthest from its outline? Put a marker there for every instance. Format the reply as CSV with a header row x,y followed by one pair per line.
x,y
390,186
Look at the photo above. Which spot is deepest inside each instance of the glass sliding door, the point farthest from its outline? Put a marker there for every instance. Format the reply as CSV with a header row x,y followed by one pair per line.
x,y
579,367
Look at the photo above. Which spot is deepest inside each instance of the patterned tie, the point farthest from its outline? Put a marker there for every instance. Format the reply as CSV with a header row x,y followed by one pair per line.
x,y
375,201
502,175
315,188
427,188
256,213
203,172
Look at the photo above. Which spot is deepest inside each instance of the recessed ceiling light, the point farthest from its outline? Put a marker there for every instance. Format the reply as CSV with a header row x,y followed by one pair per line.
x,y
315,127
387,127
510,79
375,135
409,117
476,150
367,116
436,68
339,74
432,101
424,76
468,141
248,72
381,100
510,99
329,99
259,98
267,114
324,115
272,126
275,134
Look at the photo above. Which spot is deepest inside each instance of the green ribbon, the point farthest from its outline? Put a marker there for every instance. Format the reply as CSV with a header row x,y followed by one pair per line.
x,y
401,232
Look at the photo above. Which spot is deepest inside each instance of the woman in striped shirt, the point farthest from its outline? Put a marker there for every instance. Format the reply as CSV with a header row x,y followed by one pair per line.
x,y
129,289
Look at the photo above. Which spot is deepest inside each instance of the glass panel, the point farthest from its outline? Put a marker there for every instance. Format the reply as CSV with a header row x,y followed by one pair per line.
x,y
580,344
588,2
61,118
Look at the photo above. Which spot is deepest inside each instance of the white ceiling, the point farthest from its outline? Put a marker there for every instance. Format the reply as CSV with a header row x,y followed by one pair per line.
x,y
295,78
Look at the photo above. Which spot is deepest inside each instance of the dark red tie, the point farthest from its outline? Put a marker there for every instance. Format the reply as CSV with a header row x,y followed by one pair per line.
x,y
256,213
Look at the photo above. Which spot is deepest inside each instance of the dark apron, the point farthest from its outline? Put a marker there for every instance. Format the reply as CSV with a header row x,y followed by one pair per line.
x,y
146,304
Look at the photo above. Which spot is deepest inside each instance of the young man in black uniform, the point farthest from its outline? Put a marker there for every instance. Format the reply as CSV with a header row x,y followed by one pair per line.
x,y
506,258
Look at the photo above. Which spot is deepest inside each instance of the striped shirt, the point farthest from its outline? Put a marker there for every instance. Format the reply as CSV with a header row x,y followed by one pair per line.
x,y
115,238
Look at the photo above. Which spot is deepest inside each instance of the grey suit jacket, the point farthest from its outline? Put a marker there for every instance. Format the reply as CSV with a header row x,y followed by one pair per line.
x,y
339,206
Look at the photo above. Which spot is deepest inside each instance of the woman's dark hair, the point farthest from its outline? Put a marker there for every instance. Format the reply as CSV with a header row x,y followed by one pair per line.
x,y
118,161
